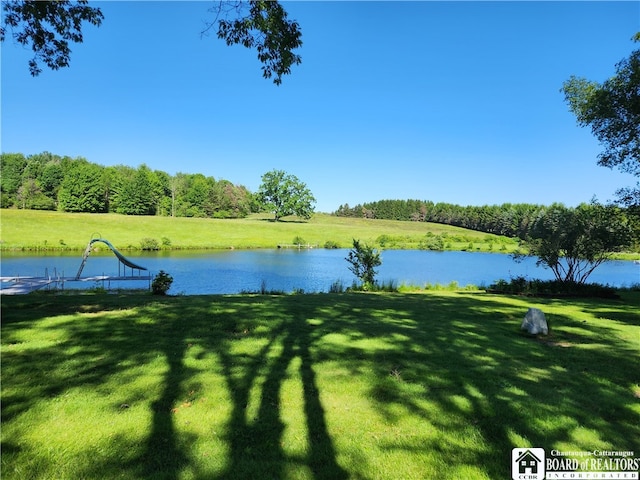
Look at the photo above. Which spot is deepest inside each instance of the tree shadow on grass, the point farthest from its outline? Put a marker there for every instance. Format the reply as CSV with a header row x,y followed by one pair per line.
x,y
456,365
86,354
285,220
256,440
479,376
163,455
76,346
92,350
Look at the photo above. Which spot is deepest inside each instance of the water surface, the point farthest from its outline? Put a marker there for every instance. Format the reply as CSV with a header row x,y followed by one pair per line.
x,y
234,271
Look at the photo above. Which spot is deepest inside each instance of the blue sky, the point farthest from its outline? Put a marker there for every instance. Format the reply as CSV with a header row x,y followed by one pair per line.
x,y
456,102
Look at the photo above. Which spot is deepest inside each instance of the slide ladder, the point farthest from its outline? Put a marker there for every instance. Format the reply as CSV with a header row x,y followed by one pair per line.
x,y
124,260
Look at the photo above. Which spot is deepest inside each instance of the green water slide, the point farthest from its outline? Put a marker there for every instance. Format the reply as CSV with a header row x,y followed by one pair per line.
x,y
124,260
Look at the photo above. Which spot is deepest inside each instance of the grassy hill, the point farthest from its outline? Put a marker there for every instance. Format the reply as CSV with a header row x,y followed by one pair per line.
x,y
46,230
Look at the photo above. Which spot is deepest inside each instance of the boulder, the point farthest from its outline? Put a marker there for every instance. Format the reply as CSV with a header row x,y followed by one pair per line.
x,y
535,322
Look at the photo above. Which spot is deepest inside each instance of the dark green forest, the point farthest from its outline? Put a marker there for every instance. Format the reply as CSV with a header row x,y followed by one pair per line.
x,y
50,182
509,219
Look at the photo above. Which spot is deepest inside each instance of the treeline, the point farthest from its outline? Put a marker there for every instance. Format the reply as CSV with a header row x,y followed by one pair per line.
x,y
50,182
508,219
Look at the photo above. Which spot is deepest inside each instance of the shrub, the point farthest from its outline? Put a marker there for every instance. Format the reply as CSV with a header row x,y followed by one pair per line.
x,y
552,288
330,244
297,240
363,259
161,283
264,290
388,287
385,240
149,244
166,242
336,287
98,288
432,242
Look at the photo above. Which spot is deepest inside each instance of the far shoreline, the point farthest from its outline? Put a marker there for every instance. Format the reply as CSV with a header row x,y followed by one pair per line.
x,y
42,232
621,256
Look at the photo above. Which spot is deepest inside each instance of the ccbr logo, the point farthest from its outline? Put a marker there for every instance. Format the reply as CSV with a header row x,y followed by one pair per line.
x,y
527,463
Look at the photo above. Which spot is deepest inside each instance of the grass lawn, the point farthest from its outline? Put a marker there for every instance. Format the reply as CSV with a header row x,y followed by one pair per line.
x,y
45,230
347,386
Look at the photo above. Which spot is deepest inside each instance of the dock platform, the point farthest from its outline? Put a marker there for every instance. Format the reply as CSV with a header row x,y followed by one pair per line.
x,y
18,285
24,285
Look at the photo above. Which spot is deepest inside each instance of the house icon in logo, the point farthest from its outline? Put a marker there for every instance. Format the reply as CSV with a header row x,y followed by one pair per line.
x,y
528,462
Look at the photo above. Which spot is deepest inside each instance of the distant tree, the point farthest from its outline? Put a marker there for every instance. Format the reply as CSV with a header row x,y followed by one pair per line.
x,y
49,26
242,200
363,260
46,171
83,188
156,188
344,211
29,194
178,185
229,200
164,192
612,110
136,191
119,178
196,196
12,165
285,195
51,179
572,242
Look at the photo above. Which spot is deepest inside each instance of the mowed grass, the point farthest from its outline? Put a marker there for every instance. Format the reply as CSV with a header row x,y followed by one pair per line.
x,y
31,229
346,386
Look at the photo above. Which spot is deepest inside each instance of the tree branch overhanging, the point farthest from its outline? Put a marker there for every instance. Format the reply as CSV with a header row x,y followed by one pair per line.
x,y
262,25
48,27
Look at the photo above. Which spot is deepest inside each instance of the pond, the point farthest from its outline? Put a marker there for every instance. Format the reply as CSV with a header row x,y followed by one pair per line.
x,y
235,271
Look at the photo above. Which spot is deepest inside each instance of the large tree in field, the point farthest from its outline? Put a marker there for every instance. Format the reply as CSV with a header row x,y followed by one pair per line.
x,y
48,27
612,110
572,242
285,195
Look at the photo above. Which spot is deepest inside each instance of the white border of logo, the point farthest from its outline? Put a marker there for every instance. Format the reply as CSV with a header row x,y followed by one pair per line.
x,y
528,464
